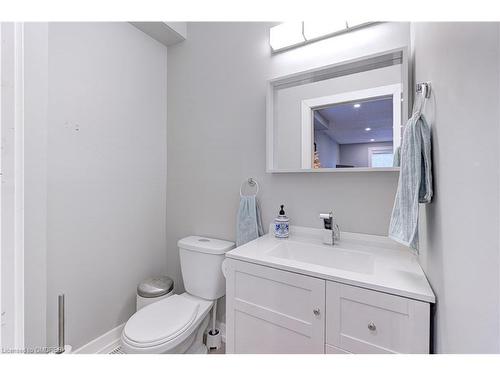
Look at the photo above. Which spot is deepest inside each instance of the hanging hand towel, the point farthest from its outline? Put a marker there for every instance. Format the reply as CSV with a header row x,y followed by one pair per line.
x,y
397,157
415,181
249,222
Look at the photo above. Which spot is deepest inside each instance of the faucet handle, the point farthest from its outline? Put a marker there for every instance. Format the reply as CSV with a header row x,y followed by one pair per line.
x,y
329,215
327,219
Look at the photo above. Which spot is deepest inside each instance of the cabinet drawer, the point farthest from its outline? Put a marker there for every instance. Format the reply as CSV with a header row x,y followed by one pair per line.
x,y
364,321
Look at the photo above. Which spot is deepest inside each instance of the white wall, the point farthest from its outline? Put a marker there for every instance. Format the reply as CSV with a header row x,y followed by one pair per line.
x,y
11,187
327,149
216,135
356,154
460,249
106,173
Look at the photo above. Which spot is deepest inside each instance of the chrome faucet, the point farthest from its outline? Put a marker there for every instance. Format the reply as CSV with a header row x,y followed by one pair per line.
x,y
332,230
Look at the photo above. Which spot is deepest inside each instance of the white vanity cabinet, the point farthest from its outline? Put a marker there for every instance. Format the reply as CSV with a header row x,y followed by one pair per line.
x,y
276,311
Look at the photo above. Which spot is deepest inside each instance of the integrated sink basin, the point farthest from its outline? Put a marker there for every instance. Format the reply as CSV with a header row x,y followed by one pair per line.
x,y
362,260
324,256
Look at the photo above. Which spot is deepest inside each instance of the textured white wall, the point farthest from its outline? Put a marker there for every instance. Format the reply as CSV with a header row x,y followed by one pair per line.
x,y
216,135
460,249
106,172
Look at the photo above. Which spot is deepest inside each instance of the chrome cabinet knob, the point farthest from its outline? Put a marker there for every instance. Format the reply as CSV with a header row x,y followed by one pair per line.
x,y
316,312
372,326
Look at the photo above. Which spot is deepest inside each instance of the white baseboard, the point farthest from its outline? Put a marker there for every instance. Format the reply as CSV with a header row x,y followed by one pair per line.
x,y
104,344
109,341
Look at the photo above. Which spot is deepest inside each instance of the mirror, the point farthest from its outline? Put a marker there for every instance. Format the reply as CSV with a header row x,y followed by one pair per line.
x,y
343,118
352,130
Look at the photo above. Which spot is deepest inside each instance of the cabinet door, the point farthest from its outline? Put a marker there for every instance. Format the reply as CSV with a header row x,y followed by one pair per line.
x,y
273,311
364,321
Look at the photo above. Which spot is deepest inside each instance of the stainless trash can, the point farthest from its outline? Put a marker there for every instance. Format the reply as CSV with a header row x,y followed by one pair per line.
x,y
154,289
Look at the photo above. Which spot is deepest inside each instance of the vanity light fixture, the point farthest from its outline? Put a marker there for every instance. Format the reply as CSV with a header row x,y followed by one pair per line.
x,y
368,129
286,34
314,30
293,34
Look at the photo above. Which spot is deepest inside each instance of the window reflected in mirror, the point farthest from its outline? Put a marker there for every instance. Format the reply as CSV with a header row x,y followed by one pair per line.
x,y
354,134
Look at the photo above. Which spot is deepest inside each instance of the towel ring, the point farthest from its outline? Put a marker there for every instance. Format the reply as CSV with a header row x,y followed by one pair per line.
x,y
424,89
250,182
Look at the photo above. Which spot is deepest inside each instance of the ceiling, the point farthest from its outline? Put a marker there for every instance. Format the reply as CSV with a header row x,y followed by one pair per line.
x,y
347,124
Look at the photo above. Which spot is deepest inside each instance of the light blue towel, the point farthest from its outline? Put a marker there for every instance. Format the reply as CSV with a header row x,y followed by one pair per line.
x,y
396,162
415,181
249,222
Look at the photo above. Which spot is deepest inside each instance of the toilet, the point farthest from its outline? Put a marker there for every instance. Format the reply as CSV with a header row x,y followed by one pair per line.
x,y
177,324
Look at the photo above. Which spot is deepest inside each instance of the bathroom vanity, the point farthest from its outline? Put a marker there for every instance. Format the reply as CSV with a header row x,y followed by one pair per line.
x,y
366,294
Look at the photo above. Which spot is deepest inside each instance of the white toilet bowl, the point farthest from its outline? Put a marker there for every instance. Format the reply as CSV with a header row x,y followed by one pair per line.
x,y
173,325
177,323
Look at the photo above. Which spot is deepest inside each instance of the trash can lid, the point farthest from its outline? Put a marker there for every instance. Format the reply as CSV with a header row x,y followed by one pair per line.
x,y
155,287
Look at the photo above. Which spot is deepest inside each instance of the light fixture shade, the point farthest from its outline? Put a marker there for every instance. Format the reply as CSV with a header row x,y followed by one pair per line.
x,y
317,29
286,34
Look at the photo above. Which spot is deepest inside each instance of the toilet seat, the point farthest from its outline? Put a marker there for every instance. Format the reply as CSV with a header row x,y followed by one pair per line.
x,y
161,321
162,336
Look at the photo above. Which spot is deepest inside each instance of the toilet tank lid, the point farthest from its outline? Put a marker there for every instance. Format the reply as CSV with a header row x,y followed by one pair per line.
x,y
205,245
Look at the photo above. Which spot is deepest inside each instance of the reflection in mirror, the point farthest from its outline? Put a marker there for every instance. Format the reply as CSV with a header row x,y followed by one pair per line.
x,y
355,129
339,118
354,134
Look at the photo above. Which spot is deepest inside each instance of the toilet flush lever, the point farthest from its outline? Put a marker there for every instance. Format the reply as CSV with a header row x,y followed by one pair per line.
x,y
316,312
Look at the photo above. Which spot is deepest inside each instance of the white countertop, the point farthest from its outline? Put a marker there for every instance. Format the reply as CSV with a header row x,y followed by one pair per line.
x,y
387,266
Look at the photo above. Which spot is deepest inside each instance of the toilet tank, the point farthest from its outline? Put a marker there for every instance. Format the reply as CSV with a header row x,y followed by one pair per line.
x,y
201,265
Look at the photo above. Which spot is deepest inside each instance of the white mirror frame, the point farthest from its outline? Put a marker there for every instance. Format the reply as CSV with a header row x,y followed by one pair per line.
x,y
309,105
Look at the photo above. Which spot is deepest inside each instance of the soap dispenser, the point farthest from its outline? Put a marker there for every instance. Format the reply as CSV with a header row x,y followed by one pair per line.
x,y
281,224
